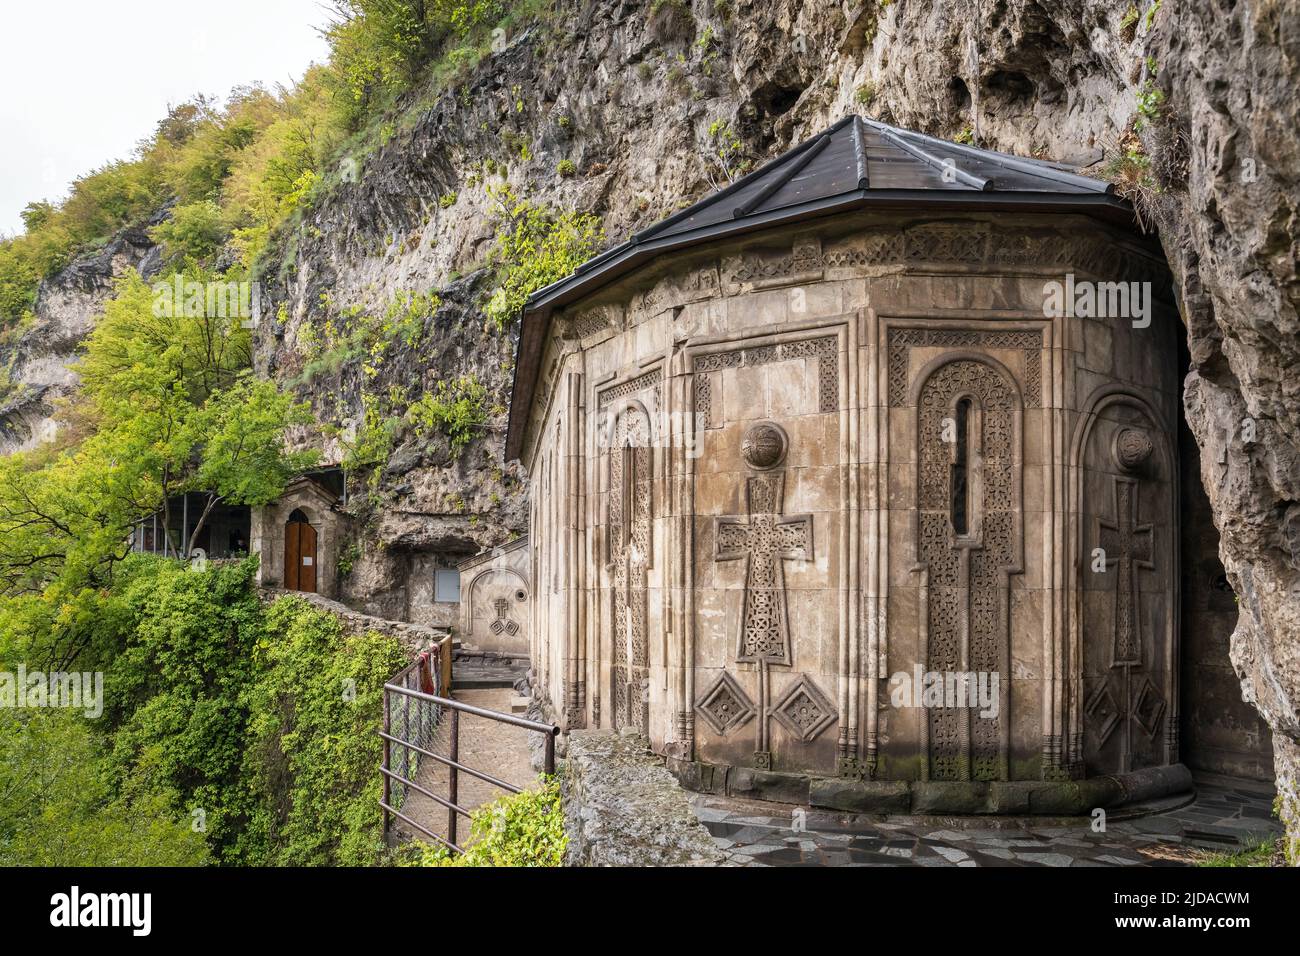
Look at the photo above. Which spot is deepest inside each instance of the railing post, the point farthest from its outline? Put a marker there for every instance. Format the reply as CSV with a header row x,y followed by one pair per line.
x,y
550,754
452,782
388,788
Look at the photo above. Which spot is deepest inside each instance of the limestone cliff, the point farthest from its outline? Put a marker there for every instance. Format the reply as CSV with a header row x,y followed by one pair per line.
x,y
34,365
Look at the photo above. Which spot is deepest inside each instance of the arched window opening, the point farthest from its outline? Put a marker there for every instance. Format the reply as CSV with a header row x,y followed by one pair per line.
x,y
960,504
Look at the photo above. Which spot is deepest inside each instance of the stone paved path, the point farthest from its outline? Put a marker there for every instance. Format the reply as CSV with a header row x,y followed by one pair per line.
x,y
471,669
487,745
1226,815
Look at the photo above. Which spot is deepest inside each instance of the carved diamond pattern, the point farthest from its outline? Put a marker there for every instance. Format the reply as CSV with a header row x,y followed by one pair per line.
x,y
1103,712
804,710
725,705
1148,706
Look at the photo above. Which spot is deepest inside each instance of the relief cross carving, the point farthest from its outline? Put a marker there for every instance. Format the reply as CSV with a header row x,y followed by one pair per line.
x,y
1127,545
763,540
503,622
1123,699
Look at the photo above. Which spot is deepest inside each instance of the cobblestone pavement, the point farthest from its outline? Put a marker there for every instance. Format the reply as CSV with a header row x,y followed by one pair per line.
x,y
487,745
1226,814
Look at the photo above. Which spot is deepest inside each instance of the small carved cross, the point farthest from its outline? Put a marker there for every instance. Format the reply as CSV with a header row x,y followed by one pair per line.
x,y
1128,546
502,622
763,542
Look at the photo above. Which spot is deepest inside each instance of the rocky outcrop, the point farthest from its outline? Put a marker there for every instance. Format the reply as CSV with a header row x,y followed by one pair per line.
x,y
623,808
67,305
643,109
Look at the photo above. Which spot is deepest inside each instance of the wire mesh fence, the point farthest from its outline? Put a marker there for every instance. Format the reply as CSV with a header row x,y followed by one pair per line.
x,y
417,721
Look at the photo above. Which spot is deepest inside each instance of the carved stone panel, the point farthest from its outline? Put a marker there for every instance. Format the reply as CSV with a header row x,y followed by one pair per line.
x,y
901,340
1126,591
497,609
629,541
825,349
804,710
966,496
725,706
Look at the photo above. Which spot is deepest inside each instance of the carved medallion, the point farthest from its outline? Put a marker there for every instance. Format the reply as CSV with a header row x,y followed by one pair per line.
x,y
764,445
804,710
1133,447
725,705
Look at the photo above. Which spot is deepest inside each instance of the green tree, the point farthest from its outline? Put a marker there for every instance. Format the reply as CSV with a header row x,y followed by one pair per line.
x,y
240,436
57,807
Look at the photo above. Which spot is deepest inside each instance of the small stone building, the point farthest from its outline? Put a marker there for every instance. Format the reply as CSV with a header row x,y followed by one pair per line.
x,y
867,466
299,536
494,605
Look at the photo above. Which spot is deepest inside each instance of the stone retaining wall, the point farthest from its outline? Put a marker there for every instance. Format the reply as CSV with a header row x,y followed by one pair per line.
x,y
414,638
623,808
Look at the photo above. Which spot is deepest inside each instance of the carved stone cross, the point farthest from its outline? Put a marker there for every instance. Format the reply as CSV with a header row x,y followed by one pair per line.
x,y
1128,546
502,622
1115,705
763,542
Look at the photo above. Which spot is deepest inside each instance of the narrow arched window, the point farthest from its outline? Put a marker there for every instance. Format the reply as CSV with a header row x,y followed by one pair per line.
x,y
960,505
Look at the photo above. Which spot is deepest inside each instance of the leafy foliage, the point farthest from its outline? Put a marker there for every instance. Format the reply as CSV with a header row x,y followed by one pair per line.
x,y
456,408
193,233
167,407
316,708
57,807
524,829
255,724
535,247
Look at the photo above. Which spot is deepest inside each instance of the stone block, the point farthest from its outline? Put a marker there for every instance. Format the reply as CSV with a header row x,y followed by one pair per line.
x,y
949,796
859,796
768,785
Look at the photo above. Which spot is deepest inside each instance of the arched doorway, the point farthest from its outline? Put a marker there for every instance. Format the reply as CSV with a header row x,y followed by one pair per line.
x,y
299,553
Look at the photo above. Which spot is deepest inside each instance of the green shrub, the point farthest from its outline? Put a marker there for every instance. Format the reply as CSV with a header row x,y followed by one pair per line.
x,y
313,751
456,408
59,808
260,722
193,232
524,829
535,247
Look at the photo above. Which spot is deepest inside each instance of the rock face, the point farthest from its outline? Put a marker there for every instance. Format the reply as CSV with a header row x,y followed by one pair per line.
x,y
623,808
67,305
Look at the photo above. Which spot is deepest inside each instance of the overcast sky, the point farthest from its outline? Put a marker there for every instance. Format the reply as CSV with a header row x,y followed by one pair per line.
x,y
83,81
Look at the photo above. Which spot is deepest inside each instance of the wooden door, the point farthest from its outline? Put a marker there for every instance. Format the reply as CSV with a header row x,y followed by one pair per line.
x,y
299,556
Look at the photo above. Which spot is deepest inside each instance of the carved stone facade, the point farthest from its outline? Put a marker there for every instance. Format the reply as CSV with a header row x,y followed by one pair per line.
x,y
780,482
495,605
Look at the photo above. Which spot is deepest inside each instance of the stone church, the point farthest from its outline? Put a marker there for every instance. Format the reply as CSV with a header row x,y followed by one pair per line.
x,y
870,467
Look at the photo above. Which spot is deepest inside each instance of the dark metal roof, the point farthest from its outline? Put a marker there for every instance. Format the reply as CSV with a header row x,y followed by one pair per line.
x,y
858,163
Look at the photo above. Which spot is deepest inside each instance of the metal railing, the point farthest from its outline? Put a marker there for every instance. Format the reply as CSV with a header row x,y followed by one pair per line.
x,y
424,715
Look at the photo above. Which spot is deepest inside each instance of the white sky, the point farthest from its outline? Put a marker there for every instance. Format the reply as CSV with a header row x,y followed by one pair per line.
x,y
83,81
